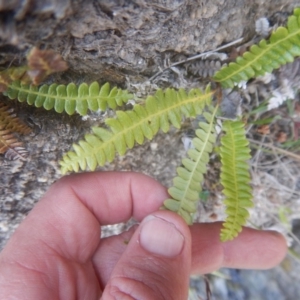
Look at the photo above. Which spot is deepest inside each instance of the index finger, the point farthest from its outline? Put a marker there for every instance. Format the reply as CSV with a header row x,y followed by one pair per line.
x,y
67,218
114,197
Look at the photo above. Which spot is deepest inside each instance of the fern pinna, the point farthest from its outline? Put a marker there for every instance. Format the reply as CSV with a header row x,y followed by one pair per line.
x,y
187,185
69,98
143,121
281,48
235,178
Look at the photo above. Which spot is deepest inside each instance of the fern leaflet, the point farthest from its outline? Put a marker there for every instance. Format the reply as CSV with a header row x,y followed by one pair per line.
x,y
69,98
281,48
143,121
235,178
187,185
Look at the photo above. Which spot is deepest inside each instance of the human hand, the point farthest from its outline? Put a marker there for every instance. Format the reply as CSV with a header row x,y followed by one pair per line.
x,y
56,253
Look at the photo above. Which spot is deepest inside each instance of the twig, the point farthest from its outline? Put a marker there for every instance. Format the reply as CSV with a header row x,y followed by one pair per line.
x,y
283,166
197,56
257,155
275,185
278,150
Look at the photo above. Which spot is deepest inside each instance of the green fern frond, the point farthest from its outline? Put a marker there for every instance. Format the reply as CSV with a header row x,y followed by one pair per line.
x,y
187,185
144,121
281,48
235,178
69,98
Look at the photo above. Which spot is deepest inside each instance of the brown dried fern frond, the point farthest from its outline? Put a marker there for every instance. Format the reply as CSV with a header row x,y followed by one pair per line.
x,y
9,145
10,121
16,153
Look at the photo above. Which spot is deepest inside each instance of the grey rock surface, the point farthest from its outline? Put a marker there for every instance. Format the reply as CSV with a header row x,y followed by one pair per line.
x,y
113,38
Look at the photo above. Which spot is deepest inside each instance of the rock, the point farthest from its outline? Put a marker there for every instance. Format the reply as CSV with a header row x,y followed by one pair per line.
x,y
110,39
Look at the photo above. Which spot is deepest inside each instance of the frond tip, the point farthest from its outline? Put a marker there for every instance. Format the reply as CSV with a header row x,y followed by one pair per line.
x,y
187,185
235,178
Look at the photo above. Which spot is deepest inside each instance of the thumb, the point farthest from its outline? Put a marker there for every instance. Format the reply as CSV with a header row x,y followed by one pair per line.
x,y
156,263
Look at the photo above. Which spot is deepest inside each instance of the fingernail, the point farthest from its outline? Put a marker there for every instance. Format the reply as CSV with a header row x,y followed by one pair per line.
x,y
161,237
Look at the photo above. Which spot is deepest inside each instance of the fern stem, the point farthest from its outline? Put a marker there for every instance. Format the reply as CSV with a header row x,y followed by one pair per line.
x,y
276,149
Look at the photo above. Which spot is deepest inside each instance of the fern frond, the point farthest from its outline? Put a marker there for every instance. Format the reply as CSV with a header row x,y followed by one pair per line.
x,y
187,185
280,49
11,122
16,152
9,144
143,121
235,178
69,98
205,67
